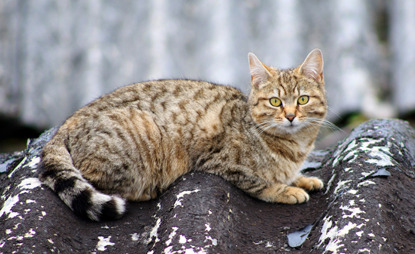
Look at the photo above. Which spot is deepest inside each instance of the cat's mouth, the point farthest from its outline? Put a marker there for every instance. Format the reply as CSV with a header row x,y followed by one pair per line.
x,y
285,127
292,127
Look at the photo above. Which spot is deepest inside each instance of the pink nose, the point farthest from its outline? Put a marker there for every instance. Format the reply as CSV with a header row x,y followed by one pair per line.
x,y
290,117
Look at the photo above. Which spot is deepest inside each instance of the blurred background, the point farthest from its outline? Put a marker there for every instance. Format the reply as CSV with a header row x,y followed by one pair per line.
x,y
56,56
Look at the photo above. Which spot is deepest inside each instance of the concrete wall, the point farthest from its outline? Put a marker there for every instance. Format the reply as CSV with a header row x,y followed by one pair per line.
x,y
56,56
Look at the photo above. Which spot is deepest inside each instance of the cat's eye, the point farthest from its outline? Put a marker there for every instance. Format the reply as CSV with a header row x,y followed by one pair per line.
x,y
303,100
275,102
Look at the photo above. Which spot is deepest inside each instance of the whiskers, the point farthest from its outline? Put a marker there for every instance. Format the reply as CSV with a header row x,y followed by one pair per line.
x,y
274,128
266,125
324,124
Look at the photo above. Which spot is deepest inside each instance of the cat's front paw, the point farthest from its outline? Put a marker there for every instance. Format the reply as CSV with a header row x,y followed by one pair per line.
x,y
293,195
309,183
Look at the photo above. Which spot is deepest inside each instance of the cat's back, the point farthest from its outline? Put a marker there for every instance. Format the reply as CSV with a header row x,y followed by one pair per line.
x,y
161,96
177,109
156,124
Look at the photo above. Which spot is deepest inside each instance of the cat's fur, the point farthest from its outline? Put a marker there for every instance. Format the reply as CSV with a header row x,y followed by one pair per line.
x,y
134,142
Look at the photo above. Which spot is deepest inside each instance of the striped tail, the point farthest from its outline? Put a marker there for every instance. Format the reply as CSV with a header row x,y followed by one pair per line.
x,y
60,175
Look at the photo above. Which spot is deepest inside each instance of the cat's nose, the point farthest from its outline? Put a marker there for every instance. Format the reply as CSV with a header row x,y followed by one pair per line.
x,y
290,117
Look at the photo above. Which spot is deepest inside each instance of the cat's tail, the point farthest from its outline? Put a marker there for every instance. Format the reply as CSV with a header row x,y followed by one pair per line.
x,y
60,175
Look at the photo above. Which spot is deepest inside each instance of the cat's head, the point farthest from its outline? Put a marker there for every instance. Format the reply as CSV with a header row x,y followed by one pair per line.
x,y
286,101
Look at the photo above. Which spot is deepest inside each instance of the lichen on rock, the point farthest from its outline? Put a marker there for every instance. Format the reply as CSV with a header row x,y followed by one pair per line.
x,y
363,208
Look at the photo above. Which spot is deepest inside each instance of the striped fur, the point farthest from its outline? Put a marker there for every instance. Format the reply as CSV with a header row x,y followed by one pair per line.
x,y
133,143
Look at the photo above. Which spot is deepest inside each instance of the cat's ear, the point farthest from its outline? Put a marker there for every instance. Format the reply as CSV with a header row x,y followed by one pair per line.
x,y
312,67
259,71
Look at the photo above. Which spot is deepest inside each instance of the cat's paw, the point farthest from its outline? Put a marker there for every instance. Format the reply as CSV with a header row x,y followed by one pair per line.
x,y
293,195
309,183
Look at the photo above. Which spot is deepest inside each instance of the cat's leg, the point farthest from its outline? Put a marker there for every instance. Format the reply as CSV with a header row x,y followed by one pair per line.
x,y
257,187
282,193
308,183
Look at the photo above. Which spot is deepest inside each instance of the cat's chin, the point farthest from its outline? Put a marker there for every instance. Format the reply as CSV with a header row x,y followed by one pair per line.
x,y
287,129
291,129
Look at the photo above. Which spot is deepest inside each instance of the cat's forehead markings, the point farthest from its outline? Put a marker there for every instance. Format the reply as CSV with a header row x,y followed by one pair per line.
x,y
283,83
281,79
282,90
276,93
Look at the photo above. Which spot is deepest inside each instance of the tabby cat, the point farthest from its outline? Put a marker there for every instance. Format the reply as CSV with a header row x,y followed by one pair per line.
x,y
133,143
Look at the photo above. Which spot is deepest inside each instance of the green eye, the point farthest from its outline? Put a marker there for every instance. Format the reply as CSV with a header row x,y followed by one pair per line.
x,y
275,102
303,100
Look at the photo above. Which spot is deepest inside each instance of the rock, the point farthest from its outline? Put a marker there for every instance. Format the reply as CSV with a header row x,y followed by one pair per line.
x,y
363,208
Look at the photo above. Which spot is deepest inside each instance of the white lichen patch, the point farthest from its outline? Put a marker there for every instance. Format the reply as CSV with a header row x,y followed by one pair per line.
x,y
24,186
333,247
30,234
18,167
18,238
16,226
352,192
335,235
330,183
347,169
366,183
135,237
8,205
14,214
28,184
171,235
184,250
6,189
378,154
153,232
167,250
267,244
366,174
103,242
180,196
213,241
182,239
341,185
33,162
350,152
353,212
30,201
207,227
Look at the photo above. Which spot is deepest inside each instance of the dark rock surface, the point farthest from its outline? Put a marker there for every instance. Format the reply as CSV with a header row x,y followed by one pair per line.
x,y
363,209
